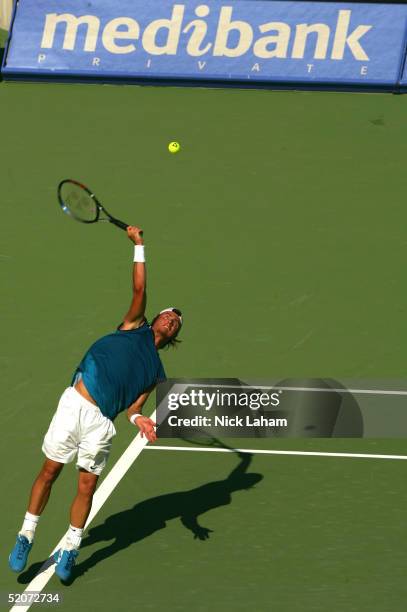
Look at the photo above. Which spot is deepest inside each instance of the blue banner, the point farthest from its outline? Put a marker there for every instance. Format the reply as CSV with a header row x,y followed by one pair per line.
x,y
403,81
250,41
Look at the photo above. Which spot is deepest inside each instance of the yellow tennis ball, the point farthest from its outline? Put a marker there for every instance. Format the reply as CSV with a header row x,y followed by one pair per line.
x,y
174,147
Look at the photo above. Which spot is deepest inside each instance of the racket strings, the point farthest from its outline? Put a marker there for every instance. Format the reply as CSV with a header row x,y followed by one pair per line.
x,y
78,202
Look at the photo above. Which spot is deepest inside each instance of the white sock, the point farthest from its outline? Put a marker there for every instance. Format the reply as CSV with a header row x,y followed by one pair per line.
x,y
74,537
29,525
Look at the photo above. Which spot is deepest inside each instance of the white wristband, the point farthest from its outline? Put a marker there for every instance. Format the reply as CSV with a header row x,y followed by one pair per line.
x,y
139,253
134,417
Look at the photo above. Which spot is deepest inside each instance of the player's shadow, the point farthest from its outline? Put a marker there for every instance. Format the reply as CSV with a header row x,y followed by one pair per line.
x,y
148,516
151,515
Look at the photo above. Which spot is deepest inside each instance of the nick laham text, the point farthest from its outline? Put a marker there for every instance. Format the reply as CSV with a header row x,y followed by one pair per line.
x,y
226,421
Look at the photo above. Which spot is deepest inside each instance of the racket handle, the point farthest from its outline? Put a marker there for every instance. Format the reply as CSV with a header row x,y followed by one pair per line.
x,y
120,224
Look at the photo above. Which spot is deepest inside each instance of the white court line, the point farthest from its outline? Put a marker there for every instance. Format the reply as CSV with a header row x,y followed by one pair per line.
x,y
318,389
257,451
113,478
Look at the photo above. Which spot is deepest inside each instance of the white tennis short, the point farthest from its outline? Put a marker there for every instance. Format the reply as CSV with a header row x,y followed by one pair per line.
x,y
78,426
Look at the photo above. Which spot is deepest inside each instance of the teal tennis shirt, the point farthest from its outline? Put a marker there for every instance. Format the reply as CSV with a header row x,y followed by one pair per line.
x,y
119,367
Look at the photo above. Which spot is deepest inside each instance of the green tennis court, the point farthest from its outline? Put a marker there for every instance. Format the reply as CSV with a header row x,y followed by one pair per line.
x,y
279,230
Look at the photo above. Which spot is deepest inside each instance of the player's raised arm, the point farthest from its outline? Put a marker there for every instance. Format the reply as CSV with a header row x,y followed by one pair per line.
x,y
135,315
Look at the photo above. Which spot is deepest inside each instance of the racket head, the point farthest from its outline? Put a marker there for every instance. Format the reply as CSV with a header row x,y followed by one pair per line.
x,y
78,201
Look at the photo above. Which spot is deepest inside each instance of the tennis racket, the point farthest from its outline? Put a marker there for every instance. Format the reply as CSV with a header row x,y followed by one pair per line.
x,y
80,203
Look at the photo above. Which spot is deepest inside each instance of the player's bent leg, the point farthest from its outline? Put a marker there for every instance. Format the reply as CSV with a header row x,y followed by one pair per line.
x,y
38,499
94,446
82,503
42,485
65,557
60,446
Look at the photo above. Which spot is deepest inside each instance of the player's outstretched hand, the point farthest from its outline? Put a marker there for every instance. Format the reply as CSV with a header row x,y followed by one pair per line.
x,y
135,234
146,427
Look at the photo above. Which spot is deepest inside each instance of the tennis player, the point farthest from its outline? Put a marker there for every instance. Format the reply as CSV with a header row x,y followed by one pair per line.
x,y
118,372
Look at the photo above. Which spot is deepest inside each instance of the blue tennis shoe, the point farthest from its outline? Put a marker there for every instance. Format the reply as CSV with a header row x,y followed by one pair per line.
x,y
65,560
19,555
